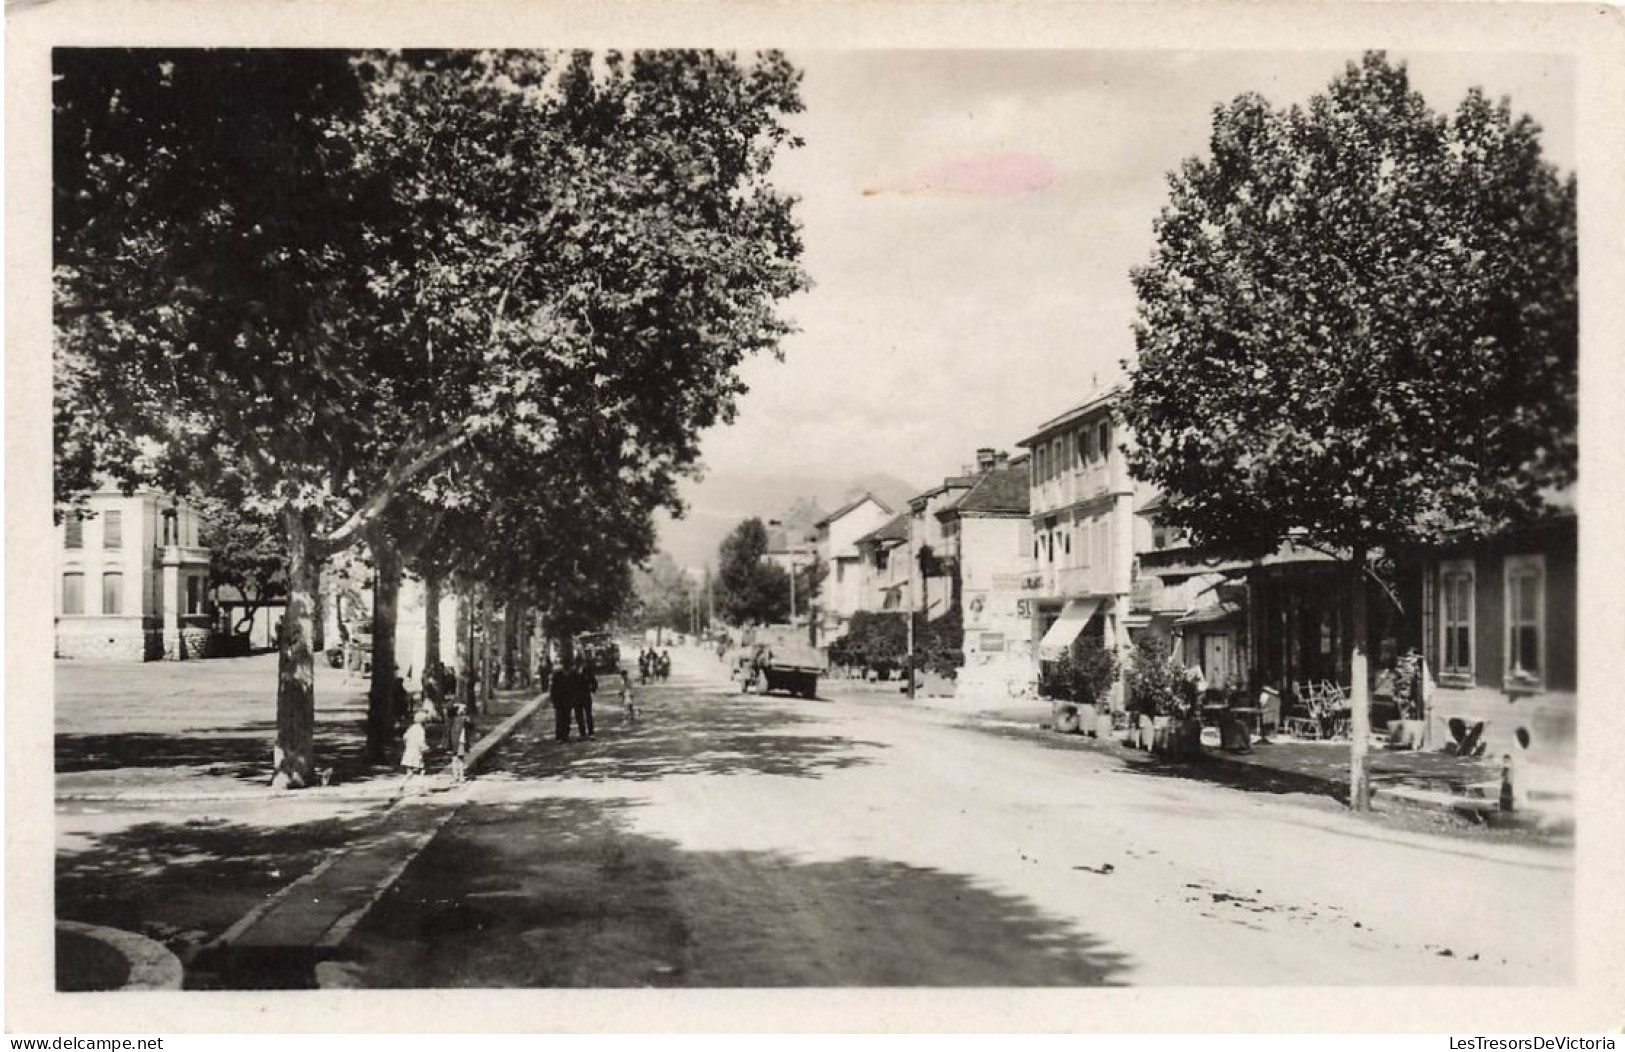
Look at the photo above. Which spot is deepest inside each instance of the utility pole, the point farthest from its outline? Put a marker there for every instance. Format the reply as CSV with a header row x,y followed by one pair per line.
x,y
812,609
909,661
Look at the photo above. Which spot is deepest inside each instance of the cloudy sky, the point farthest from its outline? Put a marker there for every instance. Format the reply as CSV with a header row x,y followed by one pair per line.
x,y
970,220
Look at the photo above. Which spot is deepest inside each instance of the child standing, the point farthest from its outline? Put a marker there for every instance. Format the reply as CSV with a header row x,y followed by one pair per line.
x,y
412,747
457,735
627,703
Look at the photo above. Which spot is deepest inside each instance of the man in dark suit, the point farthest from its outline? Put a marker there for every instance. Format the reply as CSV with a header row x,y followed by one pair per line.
x,y
561,693
585,683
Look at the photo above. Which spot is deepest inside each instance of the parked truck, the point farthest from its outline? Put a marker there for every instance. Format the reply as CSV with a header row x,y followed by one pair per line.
x,y
781,659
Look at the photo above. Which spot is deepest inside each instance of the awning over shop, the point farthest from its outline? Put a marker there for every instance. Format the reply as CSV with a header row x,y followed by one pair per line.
x,y
1213,614
1066,627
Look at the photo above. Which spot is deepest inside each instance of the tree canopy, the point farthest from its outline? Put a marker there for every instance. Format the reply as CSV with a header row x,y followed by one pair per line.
x,y
1359,323
1358,330
341,281
750,590
665,595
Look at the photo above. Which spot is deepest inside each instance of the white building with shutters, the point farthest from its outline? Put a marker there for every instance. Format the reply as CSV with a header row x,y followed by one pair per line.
x,y
132,580
1082,512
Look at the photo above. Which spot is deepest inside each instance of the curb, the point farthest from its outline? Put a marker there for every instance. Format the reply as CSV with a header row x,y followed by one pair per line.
x,y
152,966
1383,798
341,928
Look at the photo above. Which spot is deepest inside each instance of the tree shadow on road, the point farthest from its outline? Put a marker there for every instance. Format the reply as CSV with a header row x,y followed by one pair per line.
x,y
1249,778
242,753
556,893
703,737
184,882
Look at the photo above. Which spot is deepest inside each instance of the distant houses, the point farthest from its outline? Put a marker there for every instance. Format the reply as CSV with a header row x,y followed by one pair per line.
x,y
846,586
1059,549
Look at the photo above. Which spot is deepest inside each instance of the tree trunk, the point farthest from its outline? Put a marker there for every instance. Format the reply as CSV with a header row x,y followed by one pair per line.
x,y
527,664
431,623
294,756
488,650
1359,690
510,646
386,593
318,614
465,649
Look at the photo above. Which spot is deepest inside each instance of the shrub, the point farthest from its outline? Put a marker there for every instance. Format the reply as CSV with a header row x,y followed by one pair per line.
x,y
1158,685
1082,676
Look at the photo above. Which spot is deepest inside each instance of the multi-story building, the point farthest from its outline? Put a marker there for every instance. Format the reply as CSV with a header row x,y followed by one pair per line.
x,y
1082,516
841,593
931,570
132,580
987,536
884,562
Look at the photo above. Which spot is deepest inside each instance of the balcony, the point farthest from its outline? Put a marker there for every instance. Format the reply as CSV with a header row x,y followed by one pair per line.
x,y
1082,580
1070,487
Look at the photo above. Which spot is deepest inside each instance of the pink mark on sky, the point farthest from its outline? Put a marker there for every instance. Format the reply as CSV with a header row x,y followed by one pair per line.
x,y
1002,176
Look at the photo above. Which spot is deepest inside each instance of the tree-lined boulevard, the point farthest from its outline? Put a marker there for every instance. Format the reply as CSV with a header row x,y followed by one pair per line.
x,y
739,840
459,322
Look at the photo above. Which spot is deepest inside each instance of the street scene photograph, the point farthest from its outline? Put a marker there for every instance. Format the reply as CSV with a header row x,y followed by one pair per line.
x,y
725,519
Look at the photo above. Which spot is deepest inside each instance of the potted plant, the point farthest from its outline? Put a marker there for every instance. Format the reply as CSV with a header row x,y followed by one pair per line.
x,y
1164,697
1407,731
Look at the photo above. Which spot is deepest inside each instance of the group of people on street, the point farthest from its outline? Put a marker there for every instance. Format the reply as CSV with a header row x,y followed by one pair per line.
x,y
652,665
439,699
571,691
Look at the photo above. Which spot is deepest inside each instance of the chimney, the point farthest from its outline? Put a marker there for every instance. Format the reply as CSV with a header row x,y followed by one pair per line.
x,y
985,459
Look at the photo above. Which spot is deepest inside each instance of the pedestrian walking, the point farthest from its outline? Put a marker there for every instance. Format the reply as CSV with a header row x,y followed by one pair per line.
x,y
628,702
459,730
412,748
561,693
586,682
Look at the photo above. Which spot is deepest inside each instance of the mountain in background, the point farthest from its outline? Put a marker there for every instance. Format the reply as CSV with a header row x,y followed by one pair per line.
x,y
720,502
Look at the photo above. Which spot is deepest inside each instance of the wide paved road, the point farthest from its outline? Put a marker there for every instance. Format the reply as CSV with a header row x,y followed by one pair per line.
x,y
743,841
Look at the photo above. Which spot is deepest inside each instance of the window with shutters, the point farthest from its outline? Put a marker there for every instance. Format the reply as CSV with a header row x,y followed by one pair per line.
x,y
112,530
1456,622
1526,621
73,532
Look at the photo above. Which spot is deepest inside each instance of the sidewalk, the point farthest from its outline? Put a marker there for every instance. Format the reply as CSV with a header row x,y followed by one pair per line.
x,y
1444,785
167,732
166,824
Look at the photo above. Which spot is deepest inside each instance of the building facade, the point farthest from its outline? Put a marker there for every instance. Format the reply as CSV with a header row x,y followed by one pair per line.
x,y
931,570
132,580
987,536
1082,520
886,572
842,592
1499,632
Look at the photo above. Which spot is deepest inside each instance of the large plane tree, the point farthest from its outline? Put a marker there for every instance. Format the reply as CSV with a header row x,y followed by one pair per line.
x,y
328,276
1358,330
